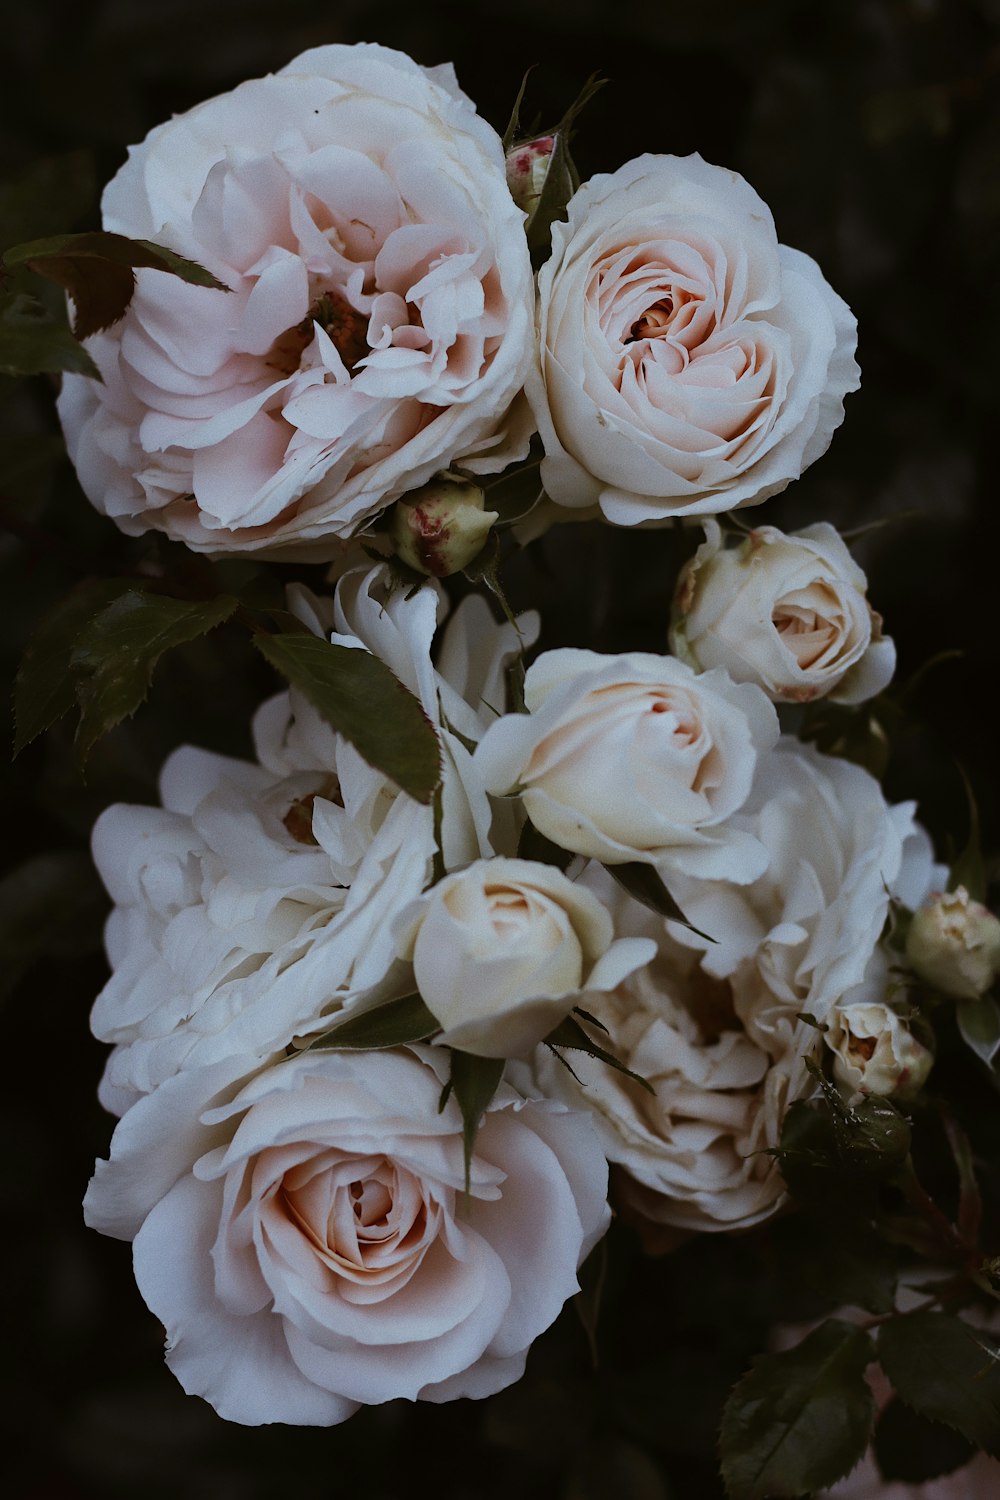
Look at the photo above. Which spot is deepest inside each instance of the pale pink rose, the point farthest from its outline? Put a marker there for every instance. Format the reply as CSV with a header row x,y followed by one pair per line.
x,y
788,612
689,363
635,757
305,1239
378,325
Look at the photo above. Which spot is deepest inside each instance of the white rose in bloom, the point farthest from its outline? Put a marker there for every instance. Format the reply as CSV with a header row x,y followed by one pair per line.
x,y
874,1051
306,1242
635,757
692,1154
502,951
258,900
377,328
804,934
689,363
954,944
786,612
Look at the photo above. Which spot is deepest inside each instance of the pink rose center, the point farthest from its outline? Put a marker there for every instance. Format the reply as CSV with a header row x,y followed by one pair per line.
x,y
346,327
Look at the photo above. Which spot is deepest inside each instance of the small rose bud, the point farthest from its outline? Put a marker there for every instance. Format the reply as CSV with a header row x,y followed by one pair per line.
x,y
527,169
874,1052
954,944
441,527
879,1140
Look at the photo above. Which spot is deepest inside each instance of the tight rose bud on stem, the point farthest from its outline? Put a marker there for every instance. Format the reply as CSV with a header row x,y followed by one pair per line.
x,y
527,168
954,944
874,1051
440,528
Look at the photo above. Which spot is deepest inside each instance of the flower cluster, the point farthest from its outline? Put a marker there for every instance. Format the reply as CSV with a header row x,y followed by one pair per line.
x,y
352,1153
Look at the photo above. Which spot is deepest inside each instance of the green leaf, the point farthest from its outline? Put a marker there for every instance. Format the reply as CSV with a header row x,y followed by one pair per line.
x,y
912,1449
799,1421
393,1024
52,905
45,688
474,1081
969,868
32,342
117,652
979,1024
98,272
534,845
947,1371
365,702
644,883
570,1033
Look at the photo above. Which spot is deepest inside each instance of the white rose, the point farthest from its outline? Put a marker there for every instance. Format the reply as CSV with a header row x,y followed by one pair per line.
x,y
805,933
502,951
874,1051
689,363
378,323
635,757
954,944
306,1241
786,612
259,899
693,1154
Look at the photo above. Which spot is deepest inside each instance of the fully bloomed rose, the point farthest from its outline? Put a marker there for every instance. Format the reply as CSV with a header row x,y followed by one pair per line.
x,y
635,757
259,898
689,363
378,324
305,1238
787,612
803,935
693,1153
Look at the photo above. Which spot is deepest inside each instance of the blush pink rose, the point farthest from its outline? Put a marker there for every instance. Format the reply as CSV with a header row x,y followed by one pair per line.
x,y
378,325
305,1238
690,363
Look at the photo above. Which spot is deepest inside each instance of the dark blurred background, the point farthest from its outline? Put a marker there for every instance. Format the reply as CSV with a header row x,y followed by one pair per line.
x,y
872,130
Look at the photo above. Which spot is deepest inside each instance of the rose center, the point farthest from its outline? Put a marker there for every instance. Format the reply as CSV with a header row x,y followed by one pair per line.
x,y
298,818
346,328
655,320
371,1200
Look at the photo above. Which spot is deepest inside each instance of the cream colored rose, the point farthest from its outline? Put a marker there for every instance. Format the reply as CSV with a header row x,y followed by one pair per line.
x,y
787,612
635,757
874,1051
693,1154
503,950
954,944
689,363
378,324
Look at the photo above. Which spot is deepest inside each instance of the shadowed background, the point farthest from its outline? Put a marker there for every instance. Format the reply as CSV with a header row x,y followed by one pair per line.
x,y
873,132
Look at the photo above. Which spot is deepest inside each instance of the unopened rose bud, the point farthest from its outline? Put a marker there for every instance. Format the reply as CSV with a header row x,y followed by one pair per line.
x,y
954,944
441,527
874,1052
527,169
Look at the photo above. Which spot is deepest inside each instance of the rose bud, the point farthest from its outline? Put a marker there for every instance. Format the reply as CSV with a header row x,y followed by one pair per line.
x,y
441,527
874,1052
527,168
954,944
786,612
503,950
